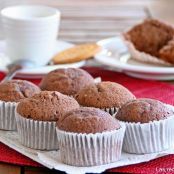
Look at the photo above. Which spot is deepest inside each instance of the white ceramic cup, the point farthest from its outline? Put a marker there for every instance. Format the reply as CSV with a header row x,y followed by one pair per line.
x,y
30,32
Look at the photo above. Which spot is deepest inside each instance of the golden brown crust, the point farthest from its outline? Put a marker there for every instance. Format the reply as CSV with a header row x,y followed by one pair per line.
x,y
104,95
67,81
76,53
150,36
46,106
143,110
88,120
16,90
167,52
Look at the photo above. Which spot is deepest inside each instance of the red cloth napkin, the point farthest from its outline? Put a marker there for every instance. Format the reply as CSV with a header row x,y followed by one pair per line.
x,y
141,88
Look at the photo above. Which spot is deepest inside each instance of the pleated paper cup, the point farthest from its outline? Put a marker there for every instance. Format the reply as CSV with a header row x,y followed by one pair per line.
x,y
142,56
7,115
112,111
37,134
90,149
151,137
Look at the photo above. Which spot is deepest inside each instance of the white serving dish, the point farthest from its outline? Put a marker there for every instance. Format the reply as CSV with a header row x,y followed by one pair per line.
x,y
116,56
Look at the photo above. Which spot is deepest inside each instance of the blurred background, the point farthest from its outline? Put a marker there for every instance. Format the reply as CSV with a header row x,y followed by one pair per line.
x,y
92,20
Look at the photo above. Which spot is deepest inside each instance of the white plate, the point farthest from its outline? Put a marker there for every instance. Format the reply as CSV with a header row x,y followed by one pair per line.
x,y
40,71
115,55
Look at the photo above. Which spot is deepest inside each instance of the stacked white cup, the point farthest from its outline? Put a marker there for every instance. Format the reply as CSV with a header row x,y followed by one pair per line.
x,y
30,32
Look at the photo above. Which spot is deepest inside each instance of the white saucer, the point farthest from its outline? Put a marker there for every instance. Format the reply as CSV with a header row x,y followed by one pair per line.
x,y
115,55
40,71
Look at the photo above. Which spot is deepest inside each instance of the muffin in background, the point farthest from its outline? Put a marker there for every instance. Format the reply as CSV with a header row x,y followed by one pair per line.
x,y
67,81
36,118
166,53
149,126
16,90
108,96
88,131
11,92
144,43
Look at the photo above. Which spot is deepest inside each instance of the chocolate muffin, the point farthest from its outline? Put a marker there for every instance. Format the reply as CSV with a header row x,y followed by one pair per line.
x,y
36,118
84,132
46,106
149,126
104,95
88,120
67,81
11,92
145,36
143,110
166,53
15,90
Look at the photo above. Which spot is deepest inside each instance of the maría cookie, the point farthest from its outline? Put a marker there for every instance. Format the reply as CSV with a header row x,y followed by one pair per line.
x,y
76,53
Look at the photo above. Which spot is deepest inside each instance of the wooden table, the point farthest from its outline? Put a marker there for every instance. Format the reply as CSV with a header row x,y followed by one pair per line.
x,y
89,21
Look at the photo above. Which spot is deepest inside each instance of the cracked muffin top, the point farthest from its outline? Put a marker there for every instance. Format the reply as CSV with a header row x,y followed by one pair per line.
x,y
104,95
150,36
88,120
67,81
15,90
46,106
143,110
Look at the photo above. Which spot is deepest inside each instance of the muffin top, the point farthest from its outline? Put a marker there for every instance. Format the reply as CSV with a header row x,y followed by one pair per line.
x,y
15,90
145,36
67,81
143,110
167,52
104,95
46,106
88,120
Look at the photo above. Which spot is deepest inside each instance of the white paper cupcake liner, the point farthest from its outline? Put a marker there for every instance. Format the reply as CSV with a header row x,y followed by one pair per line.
x,y
97,80
142,56
112,111
7,115
149,137
37,134
90,149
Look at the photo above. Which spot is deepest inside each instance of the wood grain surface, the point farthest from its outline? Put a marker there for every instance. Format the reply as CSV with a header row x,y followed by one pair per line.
x,y
92,20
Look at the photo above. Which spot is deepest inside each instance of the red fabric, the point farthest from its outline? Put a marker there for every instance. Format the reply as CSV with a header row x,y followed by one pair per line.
x,y
141,88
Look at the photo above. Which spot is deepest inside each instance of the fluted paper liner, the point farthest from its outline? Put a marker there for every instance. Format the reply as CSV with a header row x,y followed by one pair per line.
x,y
151,137
90,149
7,115
112,111
37,134
142,56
